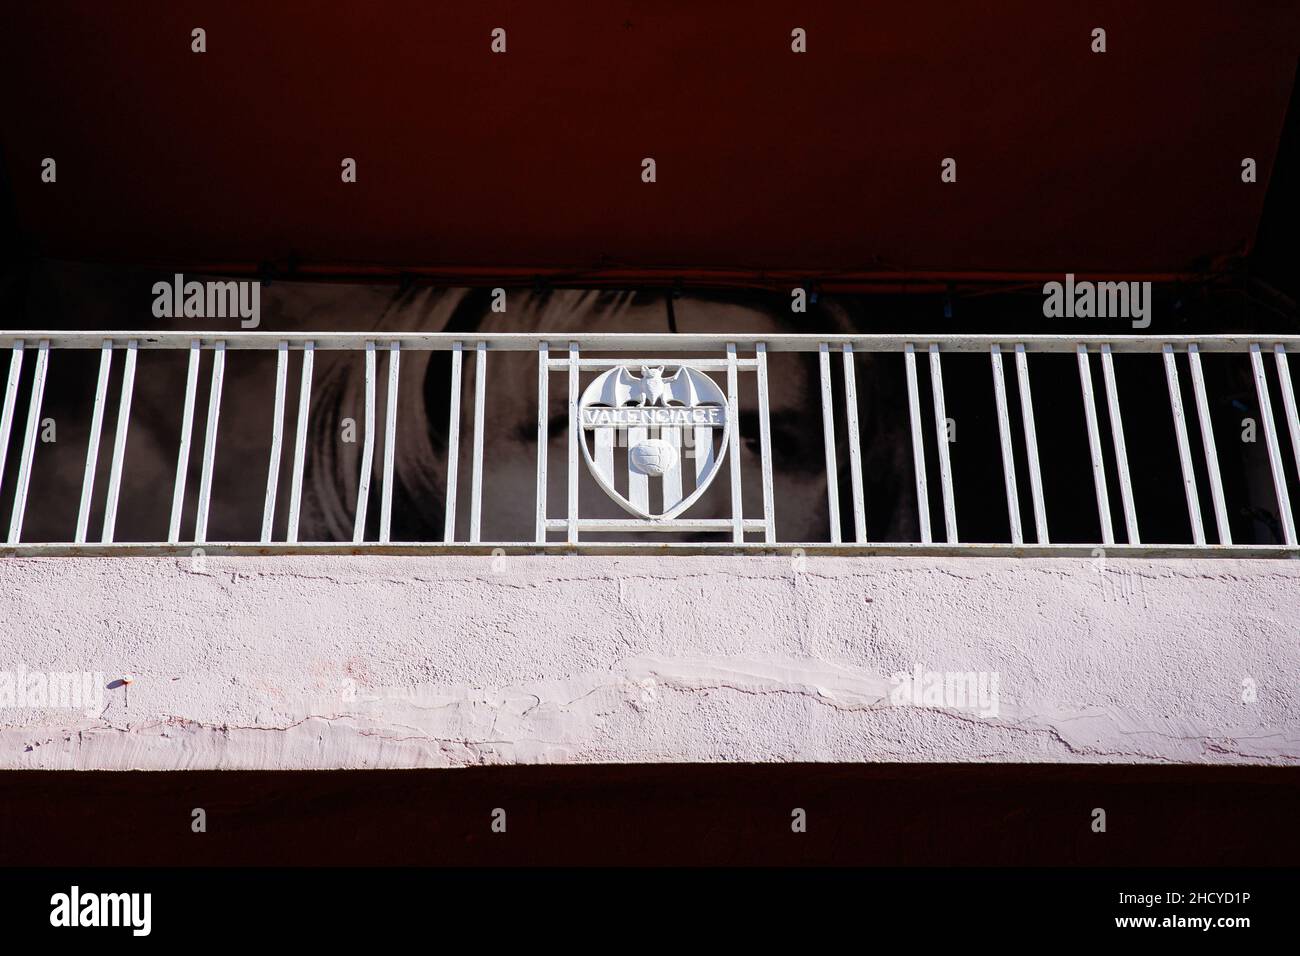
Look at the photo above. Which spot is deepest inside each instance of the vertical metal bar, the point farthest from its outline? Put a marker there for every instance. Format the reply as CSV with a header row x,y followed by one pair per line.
x,y
183,455
11,398
1270,441
855,446
300,441
941,434
92,445
543,437
765,443
1004,436
210,441
672,481
476,483
1288,401
828,441
390,441
277,439
604,440
453,443
1184,448
703,449
119,442
733,413
1207,441
367,452
1121,451
574,438
638,484
1031,444
1094,447
29,441
918,446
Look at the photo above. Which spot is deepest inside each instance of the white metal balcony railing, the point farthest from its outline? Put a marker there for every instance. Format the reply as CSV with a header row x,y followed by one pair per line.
x,y
681,429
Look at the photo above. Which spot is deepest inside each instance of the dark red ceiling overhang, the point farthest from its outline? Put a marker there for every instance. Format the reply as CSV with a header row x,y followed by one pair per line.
x,y
771,164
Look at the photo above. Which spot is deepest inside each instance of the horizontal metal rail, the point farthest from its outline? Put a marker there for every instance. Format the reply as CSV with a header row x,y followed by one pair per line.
x,y
667,342
652,424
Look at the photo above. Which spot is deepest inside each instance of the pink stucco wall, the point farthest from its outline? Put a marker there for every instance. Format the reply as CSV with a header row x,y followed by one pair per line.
x,y
333,661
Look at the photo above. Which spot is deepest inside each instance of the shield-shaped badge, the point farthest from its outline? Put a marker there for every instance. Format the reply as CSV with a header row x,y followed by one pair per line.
x,y
674,428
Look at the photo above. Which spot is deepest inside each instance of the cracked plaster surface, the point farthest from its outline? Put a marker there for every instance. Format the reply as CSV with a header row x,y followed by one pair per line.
x,y
331,661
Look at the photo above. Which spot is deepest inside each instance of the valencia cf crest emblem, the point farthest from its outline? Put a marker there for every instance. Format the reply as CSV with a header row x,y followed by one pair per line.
x,y
666,433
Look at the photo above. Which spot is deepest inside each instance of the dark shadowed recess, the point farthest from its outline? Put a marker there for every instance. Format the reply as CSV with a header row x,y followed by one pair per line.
x,y
770,164
868,814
